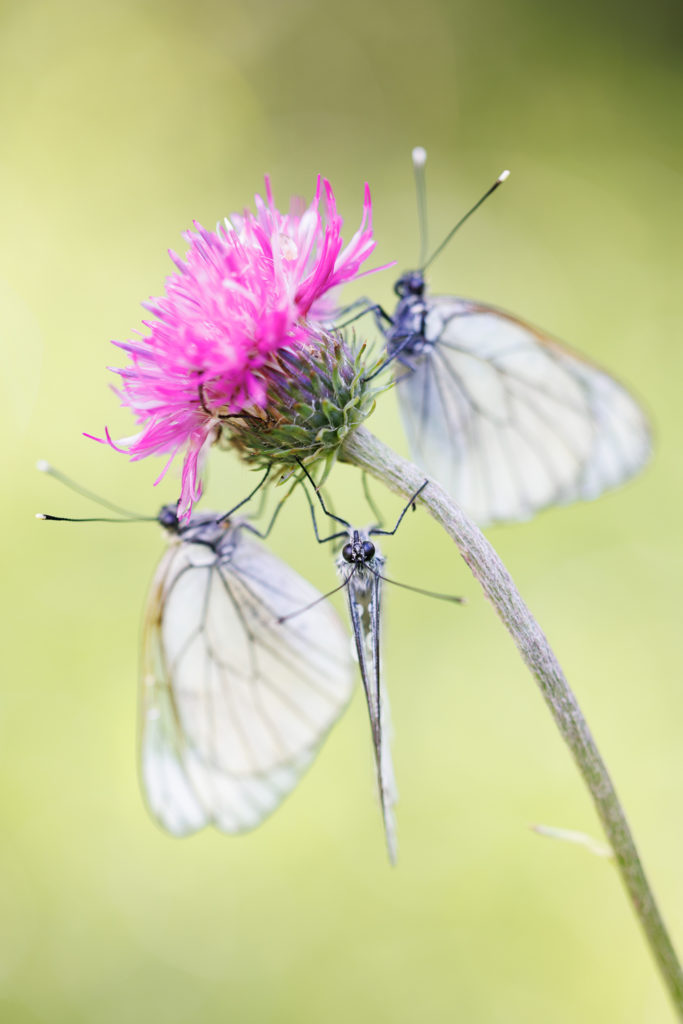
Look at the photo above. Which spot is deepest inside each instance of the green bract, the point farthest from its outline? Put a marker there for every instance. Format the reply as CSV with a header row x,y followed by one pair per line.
x,y
315,397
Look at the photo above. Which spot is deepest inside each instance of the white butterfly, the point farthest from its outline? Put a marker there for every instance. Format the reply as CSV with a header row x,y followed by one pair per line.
x,y
235,702
360,566
505,418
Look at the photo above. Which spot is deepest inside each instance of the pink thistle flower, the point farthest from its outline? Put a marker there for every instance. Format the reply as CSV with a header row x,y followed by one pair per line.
x,y
307,249
256,286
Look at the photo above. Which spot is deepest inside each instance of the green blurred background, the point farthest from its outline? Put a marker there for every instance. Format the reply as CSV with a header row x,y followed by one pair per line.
x,y
121,123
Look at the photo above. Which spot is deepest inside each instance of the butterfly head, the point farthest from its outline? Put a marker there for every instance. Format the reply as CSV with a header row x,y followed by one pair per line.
x,y
358,550
168,518
411,284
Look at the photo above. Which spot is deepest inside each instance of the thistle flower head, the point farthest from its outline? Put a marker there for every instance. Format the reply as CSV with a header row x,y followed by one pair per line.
x,y
316,396
245,303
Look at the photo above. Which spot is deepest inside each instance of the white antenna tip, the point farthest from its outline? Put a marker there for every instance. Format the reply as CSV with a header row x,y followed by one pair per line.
x,y
503,176
40,515
419,156
42,466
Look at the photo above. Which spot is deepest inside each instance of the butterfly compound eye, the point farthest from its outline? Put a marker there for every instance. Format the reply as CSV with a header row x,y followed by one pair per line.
x,y
411,283
347,552
368,550
168,518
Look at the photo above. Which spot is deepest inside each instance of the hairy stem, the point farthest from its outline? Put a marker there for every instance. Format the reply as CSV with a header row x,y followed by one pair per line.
x,y
370,454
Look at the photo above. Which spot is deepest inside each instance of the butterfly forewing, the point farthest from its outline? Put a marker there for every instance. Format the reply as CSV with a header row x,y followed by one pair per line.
x,y
364,598
235,703
510,421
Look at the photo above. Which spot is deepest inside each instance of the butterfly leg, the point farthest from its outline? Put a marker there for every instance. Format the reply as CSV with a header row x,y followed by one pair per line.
x,y
381,316
403,343
410,504
333,536
251,494
370,500
263,534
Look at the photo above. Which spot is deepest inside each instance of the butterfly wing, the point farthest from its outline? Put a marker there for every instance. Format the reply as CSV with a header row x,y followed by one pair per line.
x,y
364,597
234,704
510,421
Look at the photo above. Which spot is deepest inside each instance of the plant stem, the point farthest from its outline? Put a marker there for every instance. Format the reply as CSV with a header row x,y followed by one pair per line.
x,y
370,454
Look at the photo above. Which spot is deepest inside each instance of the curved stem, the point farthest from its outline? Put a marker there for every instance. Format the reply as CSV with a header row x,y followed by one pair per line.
x,y
370,454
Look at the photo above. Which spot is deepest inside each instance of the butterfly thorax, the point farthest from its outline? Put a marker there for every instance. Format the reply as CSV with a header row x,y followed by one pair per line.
x,y
406,335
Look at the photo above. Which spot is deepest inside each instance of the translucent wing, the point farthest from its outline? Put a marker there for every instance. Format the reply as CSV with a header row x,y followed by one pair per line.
x,y
234,704
364,596
510,421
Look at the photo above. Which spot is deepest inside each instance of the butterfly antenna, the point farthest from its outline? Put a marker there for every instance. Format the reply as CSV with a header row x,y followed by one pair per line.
x,y
97,519
419,160
418,590
318,600
45,467
503,176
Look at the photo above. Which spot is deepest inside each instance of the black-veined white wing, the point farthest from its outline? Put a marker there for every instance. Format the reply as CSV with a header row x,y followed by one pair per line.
x,y
509,421
234,704
364,592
